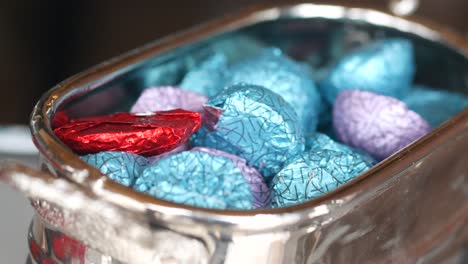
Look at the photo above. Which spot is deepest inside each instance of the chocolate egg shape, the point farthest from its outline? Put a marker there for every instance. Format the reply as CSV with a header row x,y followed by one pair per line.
x,y
253,123
209,78
436,106
312,174
121,167
199,179
275,71
319,142
167,98
377,124
385,67
260,191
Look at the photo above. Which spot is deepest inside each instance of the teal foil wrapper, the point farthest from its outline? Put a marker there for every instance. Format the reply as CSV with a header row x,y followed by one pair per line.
x,y
209,78
435,106
384,67
319,142
313,174
198,179
274,70
253,123
121,167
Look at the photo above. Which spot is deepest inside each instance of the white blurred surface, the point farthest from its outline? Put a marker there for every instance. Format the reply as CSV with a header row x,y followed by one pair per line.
x,y
15,210
16,214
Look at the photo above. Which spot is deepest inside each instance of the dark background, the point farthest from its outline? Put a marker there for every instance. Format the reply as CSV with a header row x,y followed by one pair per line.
x,y
44,42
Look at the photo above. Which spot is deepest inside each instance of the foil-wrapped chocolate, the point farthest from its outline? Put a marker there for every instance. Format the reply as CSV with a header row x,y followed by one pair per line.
x,y
167,98
436,106
121,167
199,179
260,191
385,67
312,174
237,47
377,124
319,142
146,135
165,73
209,78
253,123
274,70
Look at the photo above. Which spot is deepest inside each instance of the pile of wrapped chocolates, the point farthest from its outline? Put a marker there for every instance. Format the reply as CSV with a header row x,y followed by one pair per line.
x,y
251,128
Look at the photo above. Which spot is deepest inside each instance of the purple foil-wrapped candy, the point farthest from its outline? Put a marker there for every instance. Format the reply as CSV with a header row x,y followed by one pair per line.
x,y
168,98
377,124
260,191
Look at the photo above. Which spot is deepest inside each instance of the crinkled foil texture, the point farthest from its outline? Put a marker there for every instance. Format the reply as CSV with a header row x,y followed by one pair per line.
x,y
385,67
146,135
318,142
260,190
253,123
377,124
199,179
121,167
274,70
313,174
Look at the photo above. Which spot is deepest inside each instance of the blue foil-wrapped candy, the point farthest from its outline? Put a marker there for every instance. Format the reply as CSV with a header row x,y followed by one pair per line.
x,y
121,167
274,70
237,47
199,179
312,174
260,191
436,106
164,74
254,123
319,142
385,67
208,78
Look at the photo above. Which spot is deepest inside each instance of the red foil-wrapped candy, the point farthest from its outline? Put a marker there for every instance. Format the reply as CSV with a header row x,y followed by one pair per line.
x,y
146,135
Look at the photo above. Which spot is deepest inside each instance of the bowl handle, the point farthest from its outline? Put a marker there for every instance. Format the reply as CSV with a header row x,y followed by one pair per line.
x,y
124,235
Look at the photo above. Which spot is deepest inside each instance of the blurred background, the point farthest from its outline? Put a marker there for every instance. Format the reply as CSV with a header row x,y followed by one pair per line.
x,y
44,42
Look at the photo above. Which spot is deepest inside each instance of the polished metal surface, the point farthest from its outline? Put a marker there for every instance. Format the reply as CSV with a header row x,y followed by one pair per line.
x,y
400,211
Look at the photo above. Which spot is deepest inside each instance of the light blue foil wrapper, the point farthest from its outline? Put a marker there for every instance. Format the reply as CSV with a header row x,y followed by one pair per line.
x,y
121,167
208,78
237,47
260,191
253,123
313,174
165,74
198,179
318,142
436,106
384,67
274,70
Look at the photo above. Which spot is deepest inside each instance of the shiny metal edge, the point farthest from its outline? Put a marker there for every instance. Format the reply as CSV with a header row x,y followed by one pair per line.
x,y
259,220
